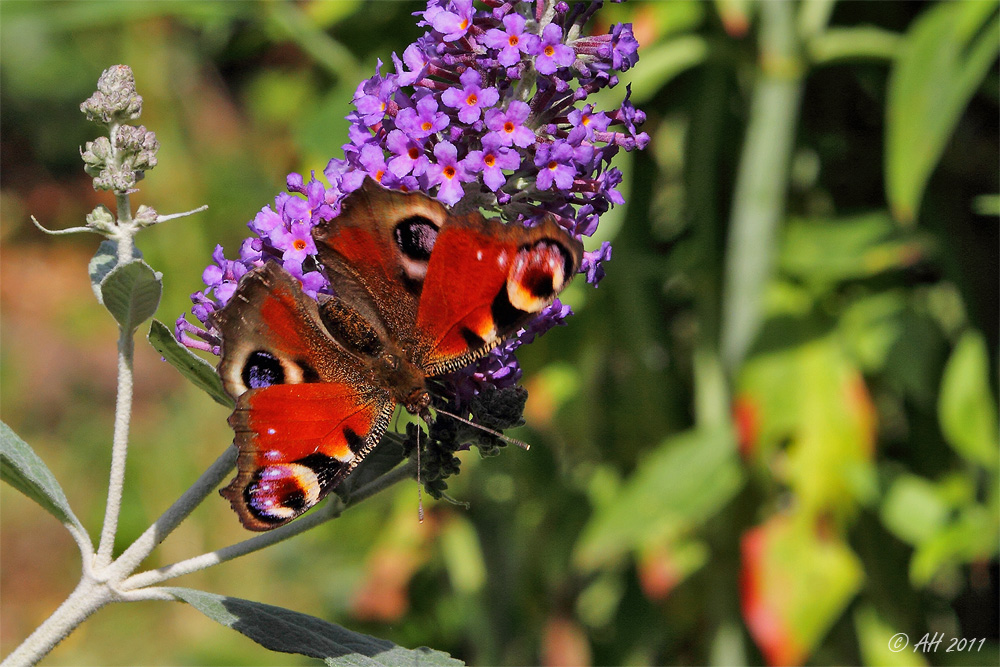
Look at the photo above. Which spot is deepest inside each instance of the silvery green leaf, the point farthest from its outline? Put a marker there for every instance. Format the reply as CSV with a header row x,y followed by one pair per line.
x,y
289,631
131,292
105,259
21,467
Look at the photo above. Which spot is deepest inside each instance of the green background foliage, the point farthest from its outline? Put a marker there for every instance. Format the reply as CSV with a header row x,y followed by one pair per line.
x,y
770,435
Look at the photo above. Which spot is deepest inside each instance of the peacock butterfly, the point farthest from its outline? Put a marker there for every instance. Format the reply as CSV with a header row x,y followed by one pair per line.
x,y
420,292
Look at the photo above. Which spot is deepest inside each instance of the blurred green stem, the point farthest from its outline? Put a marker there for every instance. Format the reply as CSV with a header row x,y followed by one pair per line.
x,y
761,182
865,42
711,396
338,61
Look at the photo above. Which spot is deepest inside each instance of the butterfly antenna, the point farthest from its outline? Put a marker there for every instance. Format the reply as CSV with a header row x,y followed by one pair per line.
x,y
506,438
420,495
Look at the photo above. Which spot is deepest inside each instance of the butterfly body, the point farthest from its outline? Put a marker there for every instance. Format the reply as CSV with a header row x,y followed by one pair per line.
x,y
419,293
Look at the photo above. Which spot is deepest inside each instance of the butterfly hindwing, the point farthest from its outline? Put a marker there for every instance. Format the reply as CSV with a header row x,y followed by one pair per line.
x,y
297,442
305,416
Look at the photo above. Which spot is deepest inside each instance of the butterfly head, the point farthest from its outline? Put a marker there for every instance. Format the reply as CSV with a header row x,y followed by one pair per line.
x,y
404,378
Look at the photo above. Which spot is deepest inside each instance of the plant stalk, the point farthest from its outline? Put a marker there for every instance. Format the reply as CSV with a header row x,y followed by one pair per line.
x,y
123,402
88,597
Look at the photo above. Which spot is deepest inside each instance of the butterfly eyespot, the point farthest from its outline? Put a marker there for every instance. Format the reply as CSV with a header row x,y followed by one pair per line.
x,y
537,274
281,491
262,369
415,237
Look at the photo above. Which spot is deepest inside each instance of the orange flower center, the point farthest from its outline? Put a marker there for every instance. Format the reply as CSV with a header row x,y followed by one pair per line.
x,y
549,50
449,172
552,165
379,174
513,40
489,160
471,100
508,127
426,126
299,244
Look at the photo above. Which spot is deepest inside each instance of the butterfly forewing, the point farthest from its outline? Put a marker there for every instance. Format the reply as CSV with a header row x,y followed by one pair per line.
x,y
514,272
376,253
305,415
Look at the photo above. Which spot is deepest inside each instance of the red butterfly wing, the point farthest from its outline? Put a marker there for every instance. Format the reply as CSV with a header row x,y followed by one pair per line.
x,y
375,254
305,415
485,280
297,442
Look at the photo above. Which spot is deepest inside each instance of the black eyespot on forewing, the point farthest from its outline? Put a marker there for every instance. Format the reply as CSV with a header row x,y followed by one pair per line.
x,y
309,374
539,284
472,339
537,275
505,315
354,441
415,237
262,369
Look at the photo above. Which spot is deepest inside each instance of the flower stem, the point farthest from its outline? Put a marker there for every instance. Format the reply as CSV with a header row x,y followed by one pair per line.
x,y
123,402
88,597
330,510
158,531
119,447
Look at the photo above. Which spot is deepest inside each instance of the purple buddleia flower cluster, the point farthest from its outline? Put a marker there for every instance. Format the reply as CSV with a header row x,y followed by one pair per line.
x,y
487,110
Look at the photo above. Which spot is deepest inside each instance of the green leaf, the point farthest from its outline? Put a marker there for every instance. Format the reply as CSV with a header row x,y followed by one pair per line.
x,y
131,292
824,252
105,259
913,509
809,400
289,631
972,536
853,43
21,468
680,485
945,56
966,407
463,555
190,365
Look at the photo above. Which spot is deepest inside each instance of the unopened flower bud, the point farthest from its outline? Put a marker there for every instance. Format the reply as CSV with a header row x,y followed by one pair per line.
x,y
115,100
